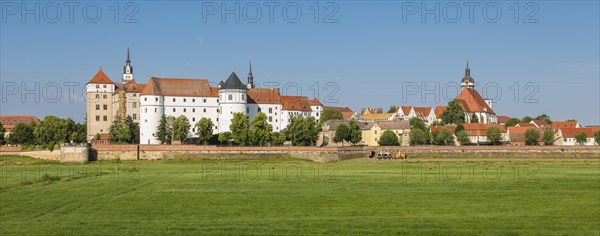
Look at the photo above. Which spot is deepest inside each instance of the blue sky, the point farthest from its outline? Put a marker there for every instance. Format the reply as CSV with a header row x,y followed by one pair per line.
x,y
370,57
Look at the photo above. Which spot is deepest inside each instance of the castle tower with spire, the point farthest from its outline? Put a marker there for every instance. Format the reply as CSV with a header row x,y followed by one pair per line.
x,y
250,84
127,69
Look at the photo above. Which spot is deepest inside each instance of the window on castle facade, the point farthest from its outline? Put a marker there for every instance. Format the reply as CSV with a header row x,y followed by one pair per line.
x,y
184,100
104,96
97,96
184,110
204,100
230,97
134,104
105,107
173,99
173,109
97,106
97,118
134,116
156,99
105,118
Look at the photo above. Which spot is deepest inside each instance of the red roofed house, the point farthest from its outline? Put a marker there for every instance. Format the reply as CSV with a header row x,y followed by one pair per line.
x,y
405,112
568,136
9,122
565,124
477,132
502,119
347,113
438,112
472,103
516,134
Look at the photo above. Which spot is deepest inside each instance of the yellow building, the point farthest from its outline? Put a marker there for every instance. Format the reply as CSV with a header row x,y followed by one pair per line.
x,y
372,132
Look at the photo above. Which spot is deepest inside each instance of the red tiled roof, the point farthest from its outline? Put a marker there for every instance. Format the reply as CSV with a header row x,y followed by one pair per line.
x,y
179,87
502,119
540,123
571,132
517,134
471,101
315,102
101,78
422,112
528,125
439,110
264,96
340,109
480,129
595,128
405,109
435,128
564,124
9,122
295,103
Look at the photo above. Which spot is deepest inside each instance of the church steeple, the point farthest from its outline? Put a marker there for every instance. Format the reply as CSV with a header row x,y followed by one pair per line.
x,y
127,69
467,81
250,77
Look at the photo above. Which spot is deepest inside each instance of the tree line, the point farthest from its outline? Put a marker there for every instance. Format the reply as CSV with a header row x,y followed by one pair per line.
x,y
301,131
46,134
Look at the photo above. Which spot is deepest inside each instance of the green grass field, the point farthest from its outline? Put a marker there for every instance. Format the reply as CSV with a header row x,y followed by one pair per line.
x,y
288,196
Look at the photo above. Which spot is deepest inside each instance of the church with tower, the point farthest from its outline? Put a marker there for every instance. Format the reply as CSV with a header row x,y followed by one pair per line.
x,y
476,108
189,97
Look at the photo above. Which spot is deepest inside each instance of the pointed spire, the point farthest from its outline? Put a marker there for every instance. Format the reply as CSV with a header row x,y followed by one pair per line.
x,y
250,77
467,70
128,59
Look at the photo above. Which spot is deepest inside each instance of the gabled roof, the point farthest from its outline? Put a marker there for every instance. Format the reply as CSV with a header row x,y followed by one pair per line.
x,y
517,134
480,129
527,125
9,122
471,101
571,132
435,128
438,111
333,124
347,113
405,109
422,112
502,119
564,124
539,123
179,87
233,82
101,78
393,125
315,102
264,96
295,103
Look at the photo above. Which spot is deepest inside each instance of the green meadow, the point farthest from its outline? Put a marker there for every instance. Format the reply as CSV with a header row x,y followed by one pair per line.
x,y
289,196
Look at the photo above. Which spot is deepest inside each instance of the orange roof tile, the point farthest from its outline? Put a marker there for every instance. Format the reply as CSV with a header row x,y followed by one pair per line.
x,y
471,101
9,122
439,110
517,134
571,132
480,129
101,78
264,96
502,119
528,125
405,109
295,103
340,109
540,123
383,116
435,128
315,102
564,124
179,87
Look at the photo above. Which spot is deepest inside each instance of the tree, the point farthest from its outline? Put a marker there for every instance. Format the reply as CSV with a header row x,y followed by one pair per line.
x,y
303,131
2,131
277,138
437,123
392,109
355,132
548,137
531,136
544,117
114,131
21,134
204,130
342,133
454,113
463,137
224,137
526,119
493,135
134,130
330,114
459,127
181,128
512,122
261,130
240,128
417,136
444,137
388,138
474,118
164,131
417,123
581,138
597,137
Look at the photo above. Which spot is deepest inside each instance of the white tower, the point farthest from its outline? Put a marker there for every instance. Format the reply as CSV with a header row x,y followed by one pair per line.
x,y
152,108
127,69
232,99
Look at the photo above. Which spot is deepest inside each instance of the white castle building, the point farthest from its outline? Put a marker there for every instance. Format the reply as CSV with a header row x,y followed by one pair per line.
x,y
195,99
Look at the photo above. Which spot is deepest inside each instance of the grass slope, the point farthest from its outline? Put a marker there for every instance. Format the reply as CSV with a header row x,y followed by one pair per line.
x,y
290,196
